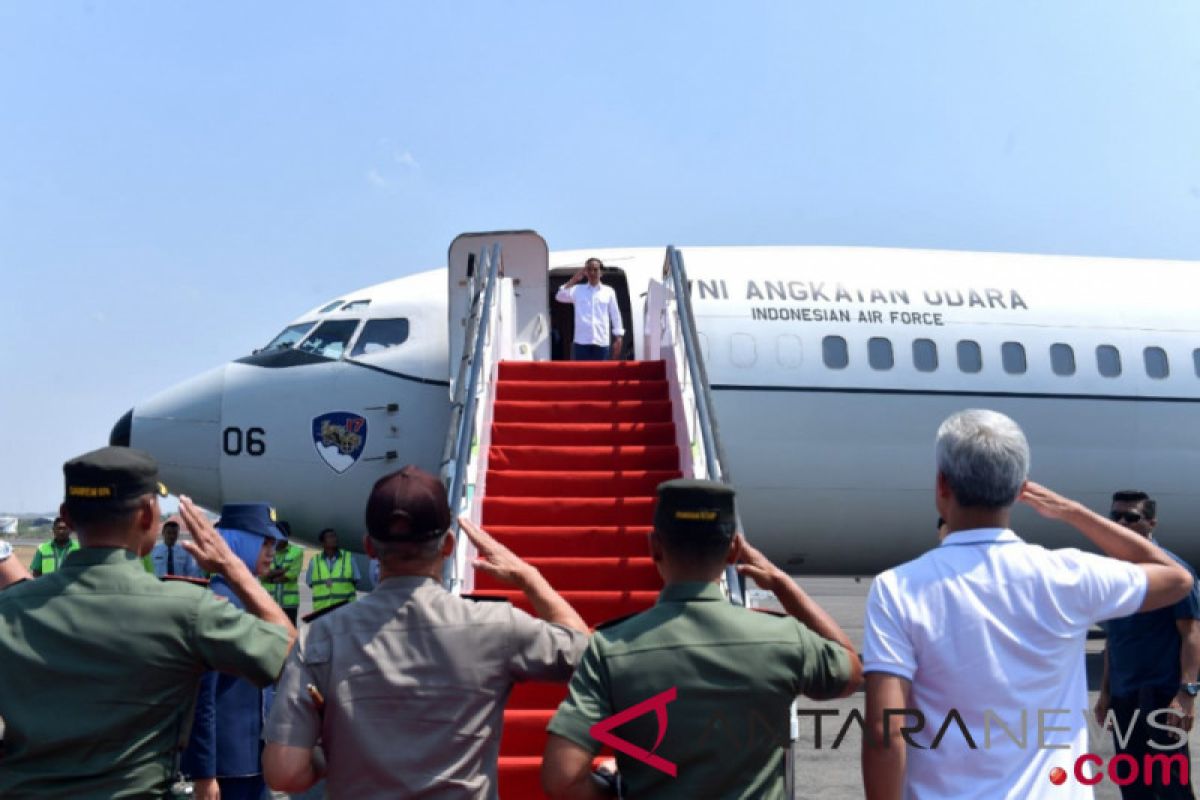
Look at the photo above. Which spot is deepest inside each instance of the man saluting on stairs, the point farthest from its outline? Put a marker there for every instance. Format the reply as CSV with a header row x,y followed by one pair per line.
x,y
406,688
596,312
711,671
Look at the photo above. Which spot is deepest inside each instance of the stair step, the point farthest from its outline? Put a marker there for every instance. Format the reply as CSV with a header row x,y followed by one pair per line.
x,y
536,694
580,574
562,483
525,731
582,390
557,434
519,778
572,511
593,457
582,411
582,370
581,542
594,606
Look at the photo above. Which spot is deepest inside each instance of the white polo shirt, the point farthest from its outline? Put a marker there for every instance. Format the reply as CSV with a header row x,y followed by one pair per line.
x,y
988,623
595,312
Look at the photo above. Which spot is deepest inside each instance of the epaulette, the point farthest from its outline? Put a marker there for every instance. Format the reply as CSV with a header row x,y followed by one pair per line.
x,y
770,611
201,582
315,615
484,598
608,623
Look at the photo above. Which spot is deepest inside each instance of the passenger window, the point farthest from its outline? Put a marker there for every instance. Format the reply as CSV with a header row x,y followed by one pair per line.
x,y
879,353
835,353
1062,359
970,358
291,334
788,350
1108,360
742,350
925,356
1013,356
1156,362
330,338
380,334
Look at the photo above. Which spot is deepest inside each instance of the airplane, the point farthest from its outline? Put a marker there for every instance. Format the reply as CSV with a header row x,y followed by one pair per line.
x,y
830,369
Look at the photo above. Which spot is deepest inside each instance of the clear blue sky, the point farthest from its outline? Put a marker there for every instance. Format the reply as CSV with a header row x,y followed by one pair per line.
x,y
177,180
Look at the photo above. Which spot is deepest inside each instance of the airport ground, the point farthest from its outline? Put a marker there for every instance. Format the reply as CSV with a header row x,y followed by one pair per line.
x,y
826,773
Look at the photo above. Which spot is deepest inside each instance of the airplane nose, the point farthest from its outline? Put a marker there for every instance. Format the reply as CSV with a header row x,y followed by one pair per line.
x,y
122,430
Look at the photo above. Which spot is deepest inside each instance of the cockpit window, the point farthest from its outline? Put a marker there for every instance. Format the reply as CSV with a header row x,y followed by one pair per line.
x,y
330,338
380,334
356,305
327,308
291,334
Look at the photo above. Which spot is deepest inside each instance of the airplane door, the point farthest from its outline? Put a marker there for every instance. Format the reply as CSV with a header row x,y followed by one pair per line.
x,y
526,259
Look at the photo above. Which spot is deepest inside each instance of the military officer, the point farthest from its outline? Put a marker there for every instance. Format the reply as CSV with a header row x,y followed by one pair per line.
x,y
283,578
332,573
714,670
102,660
50,555
407,686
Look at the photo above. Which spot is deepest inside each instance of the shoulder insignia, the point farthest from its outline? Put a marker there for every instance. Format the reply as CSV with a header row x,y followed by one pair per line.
x,y
608,623
484,598
315,615
201,582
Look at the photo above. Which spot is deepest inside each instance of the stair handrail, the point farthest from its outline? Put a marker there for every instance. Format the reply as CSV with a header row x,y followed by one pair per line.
x,y
716,465
457,451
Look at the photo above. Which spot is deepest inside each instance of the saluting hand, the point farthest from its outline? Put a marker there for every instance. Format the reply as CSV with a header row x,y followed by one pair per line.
x,y
753,564
494,558
1046,502
211,551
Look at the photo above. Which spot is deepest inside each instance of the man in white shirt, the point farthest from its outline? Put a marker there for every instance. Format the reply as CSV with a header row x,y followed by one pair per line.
x,y
597,316
992,629
169,557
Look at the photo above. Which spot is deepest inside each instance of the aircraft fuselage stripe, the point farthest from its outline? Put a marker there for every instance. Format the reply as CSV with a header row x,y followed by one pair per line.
x,y
1131,398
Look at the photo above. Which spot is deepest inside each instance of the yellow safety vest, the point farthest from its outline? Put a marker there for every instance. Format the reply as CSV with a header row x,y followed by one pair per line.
x,y
49,554
287,592
332,587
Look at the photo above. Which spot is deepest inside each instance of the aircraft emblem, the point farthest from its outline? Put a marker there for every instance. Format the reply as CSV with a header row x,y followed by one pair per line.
x,y
339,437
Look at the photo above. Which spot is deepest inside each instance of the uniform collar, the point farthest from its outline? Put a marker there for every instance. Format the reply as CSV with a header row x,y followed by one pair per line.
x,y
691,592
106,556
405,583
981,536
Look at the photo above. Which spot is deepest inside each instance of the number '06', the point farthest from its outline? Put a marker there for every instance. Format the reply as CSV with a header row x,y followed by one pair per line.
x,y
252,442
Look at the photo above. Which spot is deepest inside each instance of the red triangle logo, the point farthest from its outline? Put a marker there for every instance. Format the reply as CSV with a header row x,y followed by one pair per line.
x,y
602,731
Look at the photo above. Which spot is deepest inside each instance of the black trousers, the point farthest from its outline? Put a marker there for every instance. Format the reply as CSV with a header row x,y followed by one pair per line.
x,y
1138,746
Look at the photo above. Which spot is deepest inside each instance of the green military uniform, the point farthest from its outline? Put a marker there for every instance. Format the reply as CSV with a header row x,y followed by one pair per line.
x,y
287,591
50,556
101,664
735,673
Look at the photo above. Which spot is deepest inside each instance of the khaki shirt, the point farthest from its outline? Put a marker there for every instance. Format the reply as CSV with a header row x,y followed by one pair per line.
x,y
100,667
415,680
735,673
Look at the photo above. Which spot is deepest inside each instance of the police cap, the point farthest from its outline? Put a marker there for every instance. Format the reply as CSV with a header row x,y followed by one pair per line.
x,y
408,506
112,478
691,509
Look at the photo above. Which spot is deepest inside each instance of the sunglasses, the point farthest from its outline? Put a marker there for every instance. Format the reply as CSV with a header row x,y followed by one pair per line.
x,y
1128,517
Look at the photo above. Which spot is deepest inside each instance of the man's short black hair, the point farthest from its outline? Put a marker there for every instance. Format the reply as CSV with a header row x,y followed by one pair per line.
x,y
321,535
85,516
1149,506
170,524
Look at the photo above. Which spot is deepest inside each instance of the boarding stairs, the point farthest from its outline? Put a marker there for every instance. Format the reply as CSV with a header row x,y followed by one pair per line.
x,y
560,460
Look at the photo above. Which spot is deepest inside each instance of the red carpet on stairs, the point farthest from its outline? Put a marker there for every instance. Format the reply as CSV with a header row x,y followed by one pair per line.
x,y
577,450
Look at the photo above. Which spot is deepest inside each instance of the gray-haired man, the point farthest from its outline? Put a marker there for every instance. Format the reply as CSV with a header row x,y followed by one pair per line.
x,y
988,627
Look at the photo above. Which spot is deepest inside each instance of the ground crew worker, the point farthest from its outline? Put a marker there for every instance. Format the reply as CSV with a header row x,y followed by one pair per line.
x,y
283,578
407,686
49,555
102,661
332,573
714,670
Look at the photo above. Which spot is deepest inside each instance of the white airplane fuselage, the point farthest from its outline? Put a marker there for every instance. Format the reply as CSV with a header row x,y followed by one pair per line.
x,y
830,370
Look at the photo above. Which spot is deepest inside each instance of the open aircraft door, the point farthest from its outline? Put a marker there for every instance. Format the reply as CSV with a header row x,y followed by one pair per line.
x,y
525,259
